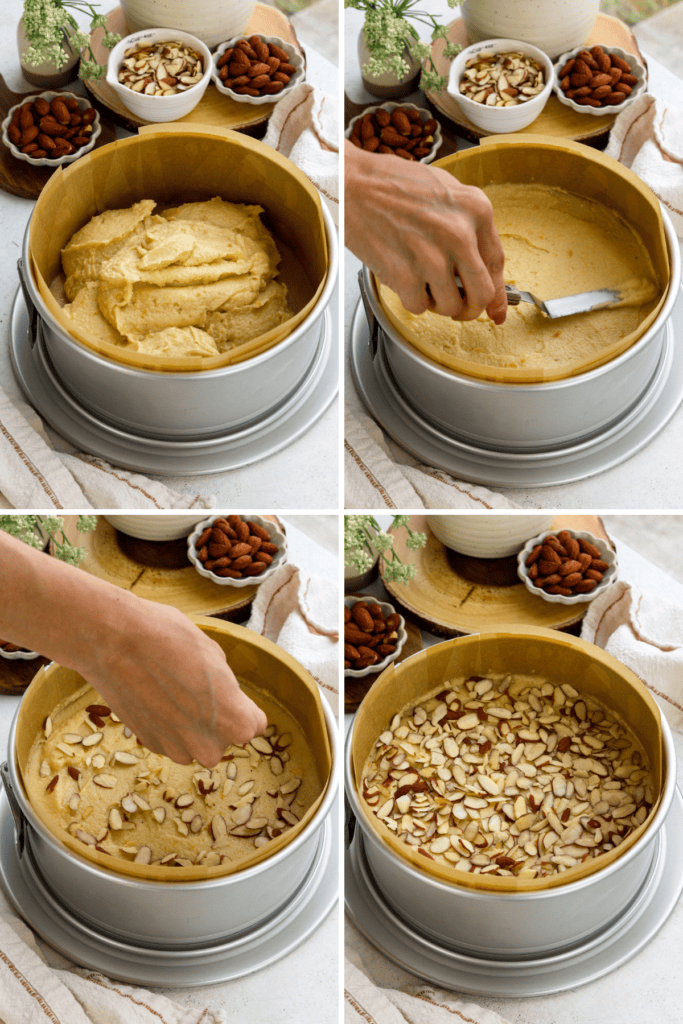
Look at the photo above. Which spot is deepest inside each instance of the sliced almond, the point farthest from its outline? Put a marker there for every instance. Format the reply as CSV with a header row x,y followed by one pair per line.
x,y
105,781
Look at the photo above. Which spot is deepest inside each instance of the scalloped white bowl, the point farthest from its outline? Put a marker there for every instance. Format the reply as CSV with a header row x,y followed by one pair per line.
x,y
83,102
390,106
637,69
18,655
295,58
387,609
276,536
606,554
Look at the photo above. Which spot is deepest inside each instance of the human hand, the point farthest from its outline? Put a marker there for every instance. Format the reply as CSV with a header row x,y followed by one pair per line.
x,y
415,227
171,684
165,678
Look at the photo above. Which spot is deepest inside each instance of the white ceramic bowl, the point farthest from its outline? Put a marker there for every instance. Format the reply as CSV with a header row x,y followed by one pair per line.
x,y
606,554
390,106
159,108
494,536
500,120
83,102
637,70
276,537
387,609
153,527
18,655
295,58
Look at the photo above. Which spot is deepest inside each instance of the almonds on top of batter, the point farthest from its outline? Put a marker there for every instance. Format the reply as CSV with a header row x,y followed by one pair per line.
x,y
133,804
508,775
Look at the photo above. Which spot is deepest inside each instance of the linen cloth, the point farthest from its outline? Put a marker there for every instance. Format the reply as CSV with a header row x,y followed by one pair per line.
x,y
380,474
643,630
366,1003
648,137
304,127
36,474
299,611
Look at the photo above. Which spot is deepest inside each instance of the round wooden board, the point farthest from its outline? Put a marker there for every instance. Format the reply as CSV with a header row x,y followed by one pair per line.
x,y
356,688
455,596
16,675
214,108
173,580
556,119
18,177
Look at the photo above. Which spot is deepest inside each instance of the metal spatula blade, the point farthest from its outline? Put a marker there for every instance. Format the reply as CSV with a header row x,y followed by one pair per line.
x,y
584,302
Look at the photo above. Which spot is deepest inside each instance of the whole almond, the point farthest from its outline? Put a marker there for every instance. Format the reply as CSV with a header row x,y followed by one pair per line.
x,y
400,122
60,111
277,51
258,69
272,89
258,531
42,107
362,617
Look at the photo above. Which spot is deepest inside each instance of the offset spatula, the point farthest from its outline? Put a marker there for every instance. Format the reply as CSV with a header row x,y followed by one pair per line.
x,y
584,302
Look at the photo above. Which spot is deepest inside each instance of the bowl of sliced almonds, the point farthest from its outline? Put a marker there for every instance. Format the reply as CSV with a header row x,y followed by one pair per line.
x,y
160,74
501,85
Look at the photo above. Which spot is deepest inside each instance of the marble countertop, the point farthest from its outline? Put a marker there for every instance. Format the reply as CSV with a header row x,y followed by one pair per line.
x,y
276,481
651,478
647,988
304,984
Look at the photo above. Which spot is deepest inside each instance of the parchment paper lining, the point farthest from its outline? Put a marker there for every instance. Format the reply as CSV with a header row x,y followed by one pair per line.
x,y
542,652
266,670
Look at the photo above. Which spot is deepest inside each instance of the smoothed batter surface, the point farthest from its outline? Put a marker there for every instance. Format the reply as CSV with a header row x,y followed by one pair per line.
x,y
555,244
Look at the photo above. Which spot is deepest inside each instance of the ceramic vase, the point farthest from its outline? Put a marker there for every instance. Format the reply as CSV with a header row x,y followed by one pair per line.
x,y
212,21
47,75
388,86
554,26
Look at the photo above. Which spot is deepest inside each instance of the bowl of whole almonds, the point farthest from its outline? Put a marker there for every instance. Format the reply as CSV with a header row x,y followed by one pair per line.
x,y
374,635
51,129
599,81
401,129
567,567
236,551
501,85
12,652
257,70
160,74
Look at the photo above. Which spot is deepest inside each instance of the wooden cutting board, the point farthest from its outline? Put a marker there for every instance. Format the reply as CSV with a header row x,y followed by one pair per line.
x,y
454,595
214,108
18,177
555,119
158,571
16,675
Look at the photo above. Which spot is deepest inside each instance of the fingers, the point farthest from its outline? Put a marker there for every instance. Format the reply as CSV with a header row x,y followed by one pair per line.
x,y
491,250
